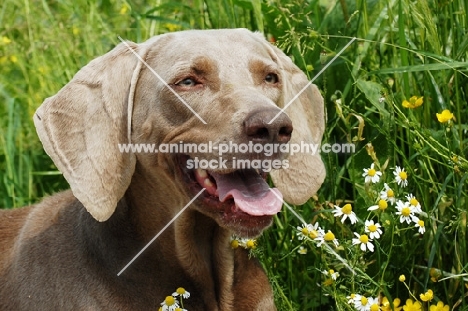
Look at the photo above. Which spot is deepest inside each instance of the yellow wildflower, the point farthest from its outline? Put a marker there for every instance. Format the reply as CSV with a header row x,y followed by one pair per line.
x,y
435,274
444,116
386,304
172,27
124,9
6,40
439,307
402,278
412,305
427,296
13,59
75,30
414,102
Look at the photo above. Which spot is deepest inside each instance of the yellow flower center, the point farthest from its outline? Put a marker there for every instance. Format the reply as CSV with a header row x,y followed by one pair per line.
x,y
169,301
414,202
329,236
234,244
371,172
390,193
374,307
403,175
363,301
250,244
305,231
331,271
421,223
180,291
347,209
383,205
402,278
364,238
313,234
405,211
372,228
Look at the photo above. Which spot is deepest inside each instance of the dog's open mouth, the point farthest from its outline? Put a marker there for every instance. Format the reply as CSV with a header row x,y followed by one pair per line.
x,y
242,197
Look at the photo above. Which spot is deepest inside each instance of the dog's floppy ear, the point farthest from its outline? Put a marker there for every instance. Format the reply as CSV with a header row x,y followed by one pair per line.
x,y
306,171
81,126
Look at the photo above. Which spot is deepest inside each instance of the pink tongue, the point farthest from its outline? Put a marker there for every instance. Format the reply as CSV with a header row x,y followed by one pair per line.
x,y
251,193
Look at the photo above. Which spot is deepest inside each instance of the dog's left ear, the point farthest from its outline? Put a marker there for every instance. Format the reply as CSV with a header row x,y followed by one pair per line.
x,y
306,171
82,126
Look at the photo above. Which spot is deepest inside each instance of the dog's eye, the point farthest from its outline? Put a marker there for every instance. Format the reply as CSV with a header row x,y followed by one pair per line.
x,y
271,78
187,82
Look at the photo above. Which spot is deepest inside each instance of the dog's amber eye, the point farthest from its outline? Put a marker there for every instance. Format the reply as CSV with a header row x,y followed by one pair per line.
x,y
271,78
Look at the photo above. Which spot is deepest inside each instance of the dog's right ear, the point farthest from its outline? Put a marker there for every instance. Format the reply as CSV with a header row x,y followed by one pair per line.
x,y
306,171
81,126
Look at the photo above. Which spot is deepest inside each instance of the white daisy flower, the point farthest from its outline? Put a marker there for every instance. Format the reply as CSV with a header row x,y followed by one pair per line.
x,y
371,174
406,211
388,194
401,177
303,231
364,242
327,237
302,250
331,273
373,229
346,211
181,292
352,298
169,304
309,231
381,205
373,304
415,203
362,304
420,225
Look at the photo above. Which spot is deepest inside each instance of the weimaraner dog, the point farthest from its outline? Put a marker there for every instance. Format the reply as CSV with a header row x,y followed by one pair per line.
x,y
195,87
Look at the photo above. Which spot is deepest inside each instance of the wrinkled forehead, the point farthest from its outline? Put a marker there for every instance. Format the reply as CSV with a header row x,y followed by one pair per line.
x,y
221,50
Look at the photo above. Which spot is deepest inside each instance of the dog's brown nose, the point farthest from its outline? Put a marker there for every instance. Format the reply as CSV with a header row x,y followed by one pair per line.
x,y
264,126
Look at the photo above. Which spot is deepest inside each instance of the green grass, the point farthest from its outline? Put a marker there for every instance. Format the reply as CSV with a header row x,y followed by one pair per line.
x,y
403,49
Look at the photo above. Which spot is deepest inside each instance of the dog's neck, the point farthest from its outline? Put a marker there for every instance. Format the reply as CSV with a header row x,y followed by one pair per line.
x,y
199,245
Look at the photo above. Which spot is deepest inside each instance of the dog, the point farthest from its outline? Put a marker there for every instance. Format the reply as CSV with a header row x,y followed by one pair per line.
x,y
194,86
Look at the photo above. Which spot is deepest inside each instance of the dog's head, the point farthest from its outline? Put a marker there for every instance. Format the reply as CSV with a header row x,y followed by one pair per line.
x,y
214,95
